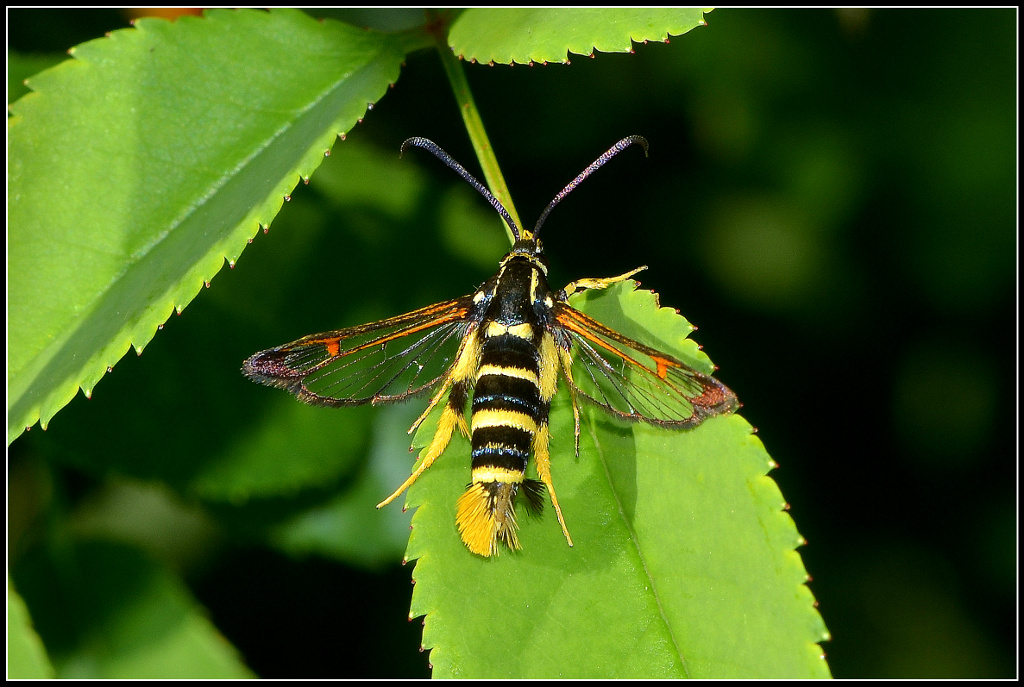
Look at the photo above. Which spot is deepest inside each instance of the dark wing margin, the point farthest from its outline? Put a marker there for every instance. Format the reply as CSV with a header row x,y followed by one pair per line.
x,y
637,382
381,362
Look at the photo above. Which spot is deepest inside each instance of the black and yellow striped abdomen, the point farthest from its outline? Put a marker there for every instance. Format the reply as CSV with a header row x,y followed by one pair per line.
x,y
509,411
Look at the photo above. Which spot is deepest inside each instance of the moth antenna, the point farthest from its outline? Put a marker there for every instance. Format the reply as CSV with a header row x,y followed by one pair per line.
x,y
444,157
608,155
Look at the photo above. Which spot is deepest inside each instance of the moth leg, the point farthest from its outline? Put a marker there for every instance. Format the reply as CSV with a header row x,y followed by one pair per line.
x,y
461,416
566,359
451,417
467,360
540,451
564,356
592,283
454,413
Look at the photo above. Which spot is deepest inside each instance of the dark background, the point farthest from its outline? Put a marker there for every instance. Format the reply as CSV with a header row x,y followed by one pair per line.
x,y
830,196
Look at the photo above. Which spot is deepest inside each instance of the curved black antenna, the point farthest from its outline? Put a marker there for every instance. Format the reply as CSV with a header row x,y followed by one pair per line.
x,y
608,155
444,157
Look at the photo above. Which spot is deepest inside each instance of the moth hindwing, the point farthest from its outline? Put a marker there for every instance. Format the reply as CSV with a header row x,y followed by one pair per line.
x,y
498,353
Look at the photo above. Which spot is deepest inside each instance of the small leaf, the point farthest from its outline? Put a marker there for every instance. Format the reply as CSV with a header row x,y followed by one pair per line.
x,y
524,36
105,611
26,655
139,167
348,527
683,564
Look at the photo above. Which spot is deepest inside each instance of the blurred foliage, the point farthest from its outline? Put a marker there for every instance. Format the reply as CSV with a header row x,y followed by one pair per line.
x,y
830,195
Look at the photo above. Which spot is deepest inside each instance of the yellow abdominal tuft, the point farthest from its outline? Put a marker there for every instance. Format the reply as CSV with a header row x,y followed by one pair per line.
x,y
483,518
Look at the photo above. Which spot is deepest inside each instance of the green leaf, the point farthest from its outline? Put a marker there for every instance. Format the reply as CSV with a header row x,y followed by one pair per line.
x,y
26,655
137,168
525,36
20,67
105,611
348,527
683,564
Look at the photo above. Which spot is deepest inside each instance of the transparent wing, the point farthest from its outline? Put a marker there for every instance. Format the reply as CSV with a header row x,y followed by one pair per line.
x,y
381,362
637,382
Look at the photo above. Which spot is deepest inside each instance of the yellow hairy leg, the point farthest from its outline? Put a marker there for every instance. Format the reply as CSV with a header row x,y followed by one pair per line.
x,y
599,283
540,451
450,419
466,363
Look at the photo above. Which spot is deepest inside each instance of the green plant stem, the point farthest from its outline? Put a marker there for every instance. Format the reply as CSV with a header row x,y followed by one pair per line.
x,y
475,128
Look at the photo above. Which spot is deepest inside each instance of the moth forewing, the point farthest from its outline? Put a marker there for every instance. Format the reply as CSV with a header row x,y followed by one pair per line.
x,y
380,362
